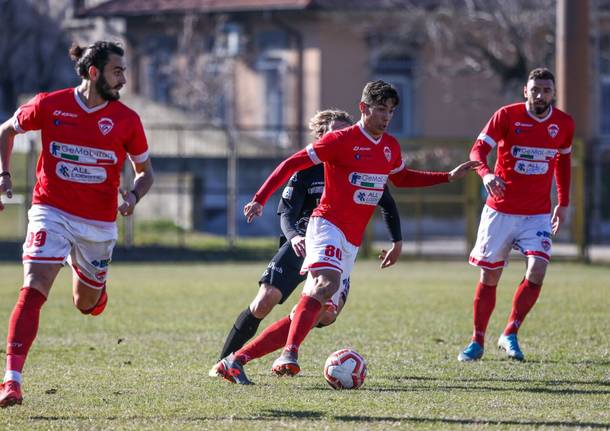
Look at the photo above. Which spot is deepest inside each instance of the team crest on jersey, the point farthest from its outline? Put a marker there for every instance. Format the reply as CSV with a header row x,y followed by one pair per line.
x,y
388,153
105,124
553,130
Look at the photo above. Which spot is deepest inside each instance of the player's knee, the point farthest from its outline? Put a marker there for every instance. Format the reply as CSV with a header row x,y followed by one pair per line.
x,y
84,303
268,297
491,277
325,287
326,318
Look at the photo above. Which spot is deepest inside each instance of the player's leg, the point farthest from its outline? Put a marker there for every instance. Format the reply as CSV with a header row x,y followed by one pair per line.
x,y
277,283
44,251
319,287
90,260
334,305
490,254
23,326
535,242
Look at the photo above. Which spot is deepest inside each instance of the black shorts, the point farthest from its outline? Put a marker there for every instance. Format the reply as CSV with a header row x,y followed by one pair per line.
x,y
284,270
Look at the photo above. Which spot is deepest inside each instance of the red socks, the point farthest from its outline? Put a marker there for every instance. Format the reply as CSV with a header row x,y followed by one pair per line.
x,y
305,317
484,303
525,297
271,339
23,327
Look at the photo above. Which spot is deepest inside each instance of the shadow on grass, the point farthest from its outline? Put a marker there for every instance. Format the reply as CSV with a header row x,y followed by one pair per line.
x,y
471,421
508,380
270,415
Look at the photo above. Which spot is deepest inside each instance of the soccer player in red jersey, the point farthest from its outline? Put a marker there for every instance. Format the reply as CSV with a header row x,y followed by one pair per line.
x,y
533,141
86,136
358,161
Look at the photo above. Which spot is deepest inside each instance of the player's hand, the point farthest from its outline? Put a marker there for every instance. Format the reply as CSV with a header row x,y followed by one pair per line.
x,y
129,203
461,170
494,185
252,209
298,245
560,215
389,258
6,186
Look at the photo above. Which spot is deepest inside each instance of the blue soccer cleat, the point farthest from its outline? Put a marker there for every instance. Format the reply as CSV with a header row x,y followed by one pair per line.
x,y
472,352
510,345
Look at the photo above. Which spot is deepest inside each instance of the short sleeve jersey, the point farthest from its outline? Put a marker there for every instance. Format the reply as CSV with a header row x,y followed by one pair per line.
x,y
356,168
528,148
83,151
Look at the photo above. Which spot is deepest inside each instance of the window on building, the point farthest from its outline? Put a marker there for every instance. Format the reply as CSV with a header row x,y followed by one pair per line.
x,y
399,73
271,46
604,83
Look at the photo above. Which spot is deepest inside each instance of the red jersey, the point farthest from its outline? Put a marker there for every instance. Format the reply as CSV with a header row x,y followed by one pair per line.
x,y
529,149
356,168
83,151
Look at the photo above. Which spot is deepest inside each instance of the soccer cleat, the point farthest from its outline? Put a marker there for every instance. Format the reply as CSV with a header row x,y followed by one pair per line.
x,y
232,371
510,345
472,352
214,371
101,303
286,365
10,394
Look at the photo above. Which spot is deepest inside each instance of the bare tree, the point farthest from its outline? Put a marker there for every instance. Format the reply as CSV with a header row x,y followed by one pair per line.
x,y
490,37
34,49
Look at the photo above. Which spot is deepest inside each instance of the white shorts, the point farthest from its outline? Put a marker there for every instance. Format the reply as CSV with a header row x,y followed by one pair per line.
x,y
54,236
499,232
327,248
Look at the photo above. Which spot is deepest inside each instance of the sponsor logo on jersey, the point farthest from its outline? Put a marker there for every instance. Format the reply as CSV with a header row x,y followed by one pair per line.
x,y
357,148
287,193
520,124
553,130
387,153
105,124
526,167
59,113
80,174
533,153
367,197
88,155
316,190
371,181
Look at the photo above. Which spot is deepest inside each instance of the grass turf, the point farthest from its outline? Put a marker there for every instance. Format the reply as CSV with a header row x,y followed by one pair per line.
x,y
143,364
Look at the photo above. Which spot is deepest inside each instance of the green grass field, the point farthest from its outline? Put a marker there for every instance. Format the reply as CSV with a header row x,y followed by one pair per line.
x,y
143,364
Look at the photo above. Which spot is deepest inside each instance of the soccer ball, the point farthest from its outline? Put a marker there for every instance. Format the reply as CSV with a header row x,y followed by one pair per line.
x,y
345,369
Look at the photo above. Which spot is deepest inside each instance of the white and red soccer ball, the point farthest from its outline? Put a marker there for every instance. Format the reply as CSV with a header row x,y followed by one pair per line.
x,y
345,369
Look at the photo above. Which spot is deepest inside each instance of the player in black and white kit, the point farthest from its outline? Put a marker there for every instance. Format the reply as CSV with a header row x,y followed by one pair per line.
x,y
299,198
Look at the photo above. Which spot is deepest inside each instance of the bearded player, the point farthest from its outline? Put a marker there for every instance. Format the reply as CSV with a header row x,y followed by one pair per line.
x,y
87,134
533,141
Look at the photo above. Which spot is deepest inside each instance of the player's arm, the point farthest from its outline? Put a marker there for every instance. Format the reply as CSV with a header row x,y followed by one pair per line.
x,y
142,183
485,142
7,137
563,173
410,178
391,217
297,162
290,210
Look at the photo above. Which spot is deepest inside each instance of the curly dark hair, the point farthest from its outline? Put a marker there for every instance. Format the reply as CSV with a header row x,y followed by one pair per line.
x,y
96,54
541,73
378,93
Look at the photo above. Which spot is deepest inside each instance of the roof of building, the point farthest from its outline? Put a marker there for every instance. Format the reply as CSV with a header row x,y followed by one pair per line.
x,y
155,7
